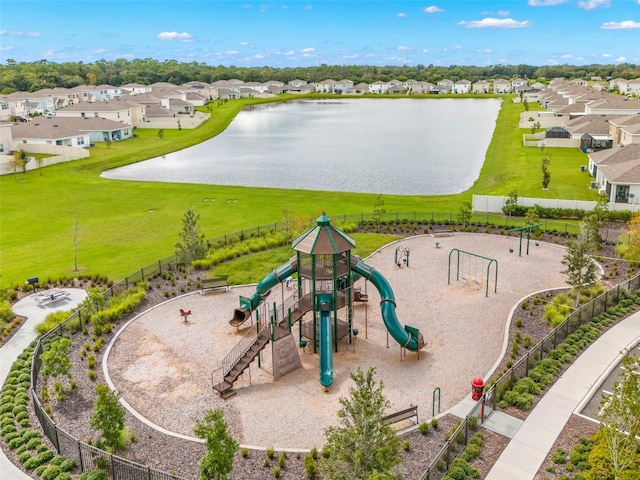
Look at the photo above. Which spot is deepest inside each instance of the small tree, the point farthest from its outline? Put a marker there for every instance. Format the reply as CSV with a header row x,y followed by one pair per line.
x,y
161,133
525,104
533,215
192,245
464,213
108,416
179,125
20,160
546,176
55,359
217,463
108,143
535,127
76,240
361,446
511,203
378,210
620,421
580,269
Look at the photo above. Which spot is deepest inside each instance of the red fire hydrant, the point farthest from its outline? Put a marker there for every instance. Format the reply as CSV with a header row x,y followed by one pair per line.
x,y
477,388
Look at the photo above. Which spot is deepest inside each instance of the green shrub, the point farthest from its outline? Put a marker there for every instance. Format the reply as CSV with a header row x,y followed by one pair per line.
x,y
34,443
45,456
8,429
434,423
559,457
282,459
423,428
270,453
51,321
51,472
32,463
310,466
406,445
244,452
276,472
15,443
23,457
473,451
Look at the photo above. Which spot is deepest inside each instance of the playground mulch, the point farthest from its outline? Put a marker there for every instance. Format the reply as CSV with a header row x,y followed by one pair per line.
x,y
164,367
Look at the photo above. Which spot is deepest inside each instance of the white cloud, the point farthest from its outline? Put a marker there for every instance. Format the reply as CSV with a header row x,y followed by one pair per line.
x,y
423,50
401,15
606,55
181,37
432,9
6,48
244,44
545,3
350,57
503,13
370,55
592,4
288,52
567,55
100,50
484,50
259,56
452,48
247,6
625,25
232,52
307,7
621,59
495,23
403,48
308,50
552,61
20,33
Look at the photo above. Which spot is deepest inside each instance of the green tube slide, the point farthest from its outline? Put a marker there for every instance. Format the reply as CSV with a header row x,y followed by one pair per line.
x,y
264,288
408,337
325,352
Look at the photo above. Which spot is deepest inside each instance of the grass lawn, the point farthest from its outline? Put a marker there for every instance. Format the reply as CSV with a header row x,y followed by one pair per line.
x,y
125,225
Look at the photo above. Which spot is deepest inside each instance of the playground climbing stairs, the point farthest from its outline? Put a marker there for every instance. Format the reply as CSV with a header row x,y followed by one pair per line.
x,y
235,368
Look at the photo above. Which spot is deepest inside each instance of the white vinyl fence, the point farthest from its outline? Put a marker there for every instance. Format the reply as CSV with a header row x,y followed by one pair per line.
x,y
494,204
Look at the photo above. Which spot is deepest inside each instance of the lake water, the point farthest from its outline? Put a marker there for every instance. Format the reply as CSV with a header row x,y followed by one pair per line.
x,y
390,146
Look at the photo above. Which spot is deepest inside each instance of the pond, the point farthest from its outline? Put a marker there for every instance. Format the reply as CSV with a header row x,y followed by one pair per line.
x,y
390,146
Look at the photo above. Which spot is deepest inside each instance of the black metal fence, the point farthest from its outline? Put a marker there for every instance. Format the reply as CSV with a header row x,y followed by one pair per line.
x,y
599,305
89,457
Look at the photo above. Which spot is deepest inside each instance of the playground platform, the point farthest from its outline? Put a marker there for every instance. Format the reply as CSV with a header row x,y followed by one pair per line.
x,y
164,367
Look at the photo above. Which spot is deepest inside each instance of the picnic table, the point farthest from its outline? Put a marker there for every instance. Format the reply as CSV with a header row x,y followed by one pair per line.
x,y
51,296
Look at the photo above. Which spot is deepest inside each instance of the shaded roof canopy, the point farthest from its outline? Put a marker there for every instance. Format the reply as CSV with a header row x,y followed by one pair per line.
x,y
323,239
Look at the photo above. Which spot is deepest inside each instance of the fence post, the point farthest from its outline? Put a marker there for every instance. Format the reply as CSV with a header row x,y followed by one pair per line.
x,y
80,456
160,261
142,273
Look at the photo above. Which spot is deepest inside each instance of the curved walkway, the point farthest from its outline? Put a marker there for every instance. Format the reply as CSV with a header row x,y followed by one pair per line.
x,y
35,313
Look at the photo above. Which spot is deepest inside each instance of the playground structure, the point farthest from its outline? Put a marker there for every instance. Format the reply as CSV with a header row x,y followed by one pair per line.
x,y
476,274
401,257
326,272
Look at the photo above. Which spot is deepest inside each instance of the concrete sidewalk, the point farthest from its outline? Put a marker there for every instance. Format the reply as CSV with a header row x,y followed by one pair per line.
x,y
535,437
35,313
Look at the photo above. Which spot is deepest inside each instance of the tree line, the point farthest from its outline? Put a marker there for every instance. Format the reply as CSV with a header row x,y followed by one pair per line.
x,y
32,76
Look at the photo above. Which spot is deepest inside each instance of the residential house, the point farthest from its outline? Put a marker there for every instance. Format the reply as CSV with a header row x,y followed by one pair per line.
x,y
613,105
115,110
625,130
297,82
100,93
617,173
619,84
48,131
592,130
378,87
325,86
421,88
397,89
17,107
518,82
501,86
359,89
342,86
481,86
462,86
134,88
5,110
6,139
445,85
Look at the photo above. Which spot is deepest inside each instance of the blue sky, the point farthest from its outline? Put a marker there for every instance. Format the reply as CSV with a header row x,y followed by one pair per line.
x,y
309,33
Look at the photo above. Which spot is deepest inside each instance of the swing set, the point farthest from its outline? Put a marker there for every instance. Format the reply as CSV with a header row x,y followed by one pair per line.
x,y
476,258
521,230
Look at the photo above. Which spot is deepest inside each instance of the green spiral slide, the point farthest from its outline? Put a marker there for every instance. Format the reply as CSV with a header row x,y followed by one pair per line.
x,y
408,337
326,353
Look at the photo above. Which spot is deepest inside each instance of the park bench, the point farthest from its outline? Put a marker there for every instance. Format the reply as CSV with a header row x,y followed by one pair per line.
x,y
45,298
437,230
214,283
410,413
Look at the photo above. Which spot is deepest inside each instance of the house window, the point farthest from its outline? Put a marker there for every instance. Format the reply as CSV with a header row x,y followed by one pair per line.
x,y
95,114
58,142
1,147
82,114
80,140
